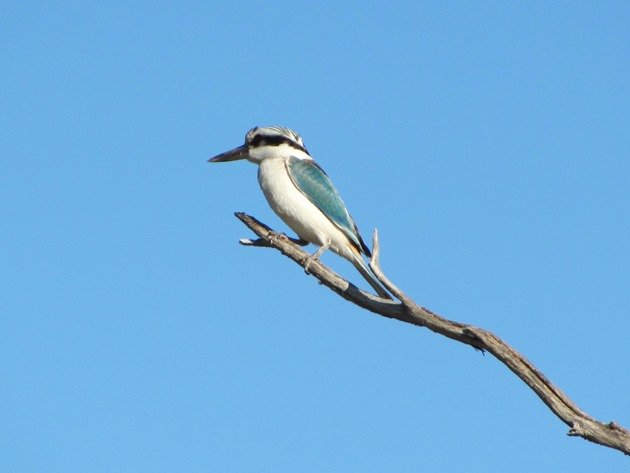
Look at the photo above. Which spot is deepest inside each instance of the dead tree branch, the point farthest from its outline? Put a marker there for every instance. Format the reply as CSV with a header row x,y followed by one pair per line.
x,y
581,424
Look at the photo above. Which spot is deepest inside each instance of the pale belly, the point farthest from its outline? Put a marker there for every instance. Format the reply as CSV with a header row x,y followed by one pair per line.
x,y
297,211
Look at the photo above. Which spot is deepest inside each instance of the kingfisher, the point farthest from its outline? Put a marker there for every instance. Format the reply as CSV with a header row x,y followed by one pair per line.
x,y
303,196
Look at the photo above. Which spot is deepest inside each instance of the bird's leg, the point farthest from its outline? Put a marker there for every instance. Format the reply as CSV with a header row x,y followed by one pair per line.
x,y
315,256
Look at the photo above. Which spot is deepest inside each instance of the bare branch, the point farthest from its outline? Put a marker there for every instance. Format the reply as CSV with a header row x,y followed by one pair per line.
x,y
581,424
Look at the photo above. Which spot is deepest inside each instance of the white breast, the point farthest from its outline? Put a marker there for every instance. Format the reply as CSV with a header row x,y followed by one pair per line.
x,y
294,208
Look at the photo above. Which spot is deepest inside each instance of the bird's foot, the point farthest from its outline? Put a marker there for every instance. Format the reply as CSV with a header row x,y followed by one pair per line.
x,y
276,236
283,236
308,261
315,257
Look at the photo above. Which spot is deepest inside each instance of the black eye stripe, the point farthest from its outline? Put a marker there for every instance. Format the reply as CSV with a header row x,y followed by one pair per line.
x,y
256,140
274,140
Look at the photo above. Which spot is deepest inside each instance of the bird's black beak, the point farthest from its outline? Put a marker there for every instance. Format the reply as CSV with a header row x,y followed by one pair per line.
x,y
232,155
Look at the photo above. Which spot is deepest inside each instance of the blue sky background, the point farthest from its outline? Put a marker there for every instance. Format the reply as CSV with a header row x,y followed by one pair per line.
x,y
487,141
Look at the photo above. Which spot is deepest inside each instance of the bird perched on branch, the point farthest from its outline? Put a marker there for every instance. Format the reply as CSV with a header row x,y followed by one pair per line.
x,y
302,195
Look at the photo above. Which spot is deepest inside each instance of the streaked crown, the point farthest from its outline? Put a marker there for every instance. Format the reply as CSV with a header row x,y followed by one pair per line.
x,y
273,136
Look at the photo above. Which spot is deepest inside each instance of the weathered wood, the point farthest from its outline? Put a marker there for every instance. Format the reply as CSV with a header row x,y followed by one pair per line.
x,y
581,424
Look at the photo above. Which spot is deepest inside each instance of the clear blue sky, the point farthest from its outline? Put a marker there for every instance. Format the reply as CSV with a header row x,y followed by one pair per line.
x,y
487,141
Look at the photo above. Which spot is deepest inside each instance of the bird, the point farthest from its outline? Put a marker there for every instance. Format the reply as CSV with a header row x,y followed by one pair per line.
x,y
303,196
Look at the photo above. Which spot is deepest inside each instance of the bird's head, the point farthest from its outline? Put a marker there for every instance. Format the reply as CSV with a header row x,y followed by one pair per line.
x,y
266,142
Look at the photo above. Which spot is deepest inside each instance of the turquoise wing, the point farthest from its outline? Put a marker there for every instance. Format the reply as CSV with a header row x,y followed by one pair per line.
x,y
313,182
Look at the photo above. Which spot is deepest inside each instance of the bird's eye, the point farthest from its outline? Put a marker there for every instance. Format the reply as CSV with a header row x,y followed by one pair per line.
x,y
256,140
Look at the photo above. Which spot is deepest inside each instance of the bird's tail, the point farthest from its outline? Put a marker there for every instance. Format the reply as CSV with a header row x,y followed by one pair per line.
x,y
359,263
